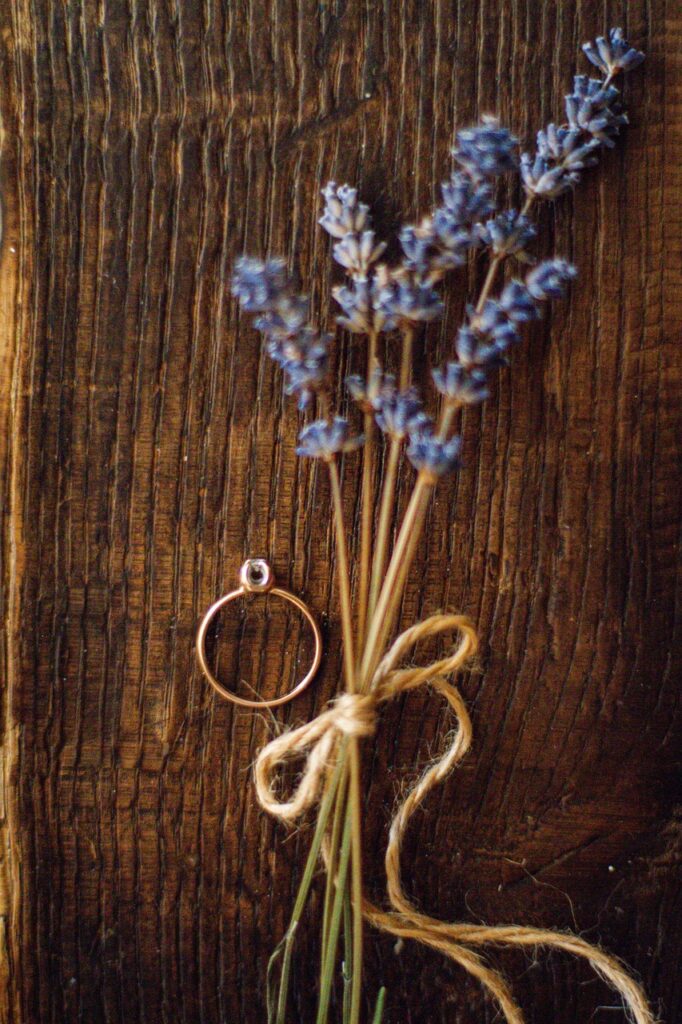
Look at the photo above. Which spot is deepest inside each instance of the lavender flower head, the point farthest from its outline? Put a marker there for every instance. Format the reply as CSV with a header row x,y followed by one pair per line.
x,y
399,413
509,234
343,214
258,284
613,54
594,118
302,352
356,302
304,358
593,108
324,440
348,220
357,253
403,297
433,455
486,150
561,154
481,343
461,386
549,280
466,200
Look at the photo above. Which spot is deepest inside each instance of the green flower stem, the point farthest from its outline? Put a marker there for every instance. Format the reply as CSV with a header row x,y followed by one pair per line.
x,y
334,925
355,818
379,1010
347,956
286,946
332,861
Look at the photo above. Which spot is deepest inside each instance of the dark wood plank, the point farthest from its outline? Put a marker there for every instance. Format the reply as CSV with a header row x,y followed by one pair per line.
x,y
146,449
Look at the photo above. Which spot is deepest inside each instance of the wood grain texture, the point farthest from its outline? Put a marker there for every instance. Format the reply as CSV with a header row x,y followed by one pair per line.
x,y
146,449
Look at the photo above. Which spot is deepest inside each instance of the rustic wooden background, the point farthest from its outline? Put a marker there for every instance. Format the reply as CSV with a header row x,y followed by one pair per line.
x,y
146,449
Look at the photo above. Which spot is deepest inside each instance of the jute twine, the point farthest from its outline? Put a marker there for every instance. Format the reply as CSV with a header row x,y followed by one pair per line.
x,y
356,715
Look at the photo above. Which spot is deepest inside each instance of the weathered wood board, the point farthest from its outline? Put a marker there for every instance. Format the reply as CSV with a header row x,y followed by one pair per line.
x,y
146,448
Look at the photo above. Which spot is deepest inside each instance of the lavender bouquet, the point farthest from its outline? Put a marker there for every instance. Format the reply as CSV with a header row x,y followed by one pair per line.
x,y
378,299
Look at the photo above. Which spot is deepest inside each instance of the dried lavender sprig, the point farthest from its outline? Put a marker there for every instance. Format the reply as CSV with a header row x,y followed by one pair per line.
x,y
482,342
347,219
594,117
443,240
301,351
358,252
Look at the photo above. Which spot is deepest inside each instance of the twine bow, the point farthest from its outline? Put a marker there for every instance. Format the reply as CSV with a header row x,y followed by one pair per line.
x,y
356,715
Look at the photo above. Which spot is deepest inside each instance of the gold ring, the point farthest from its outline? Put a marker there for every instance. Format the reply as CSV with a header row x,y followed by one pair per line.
x,y
256,577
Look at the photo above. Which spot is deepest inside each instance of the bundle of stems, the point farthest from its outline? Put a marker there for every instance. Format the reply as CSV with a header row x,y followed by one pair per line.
x,y
378,299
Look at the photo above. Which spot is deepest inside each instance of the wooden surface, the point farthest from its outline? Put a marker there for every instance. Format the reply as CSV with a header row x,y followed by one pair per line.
x,y
146,449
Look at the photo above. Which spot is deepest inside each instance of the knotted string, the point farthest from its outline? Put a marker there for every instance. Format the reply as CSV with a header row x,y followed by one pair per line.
x,y
355,715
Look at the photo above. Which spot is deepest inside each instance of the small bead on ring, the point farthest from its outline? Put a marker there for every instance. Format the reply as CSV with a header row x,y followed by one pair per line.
x,y
256,577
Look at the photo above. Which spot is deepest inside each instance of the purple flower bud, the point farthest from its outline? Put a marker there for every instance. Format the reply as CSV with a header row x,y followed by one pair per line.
x,y
299,350
430,454
509,234
518,303
323,440
304,360
467,200
343,214
549,280
546,180
287,316
398,412
357,253
356,302
257,284
400,296
458,384
613,54
593,108
486,150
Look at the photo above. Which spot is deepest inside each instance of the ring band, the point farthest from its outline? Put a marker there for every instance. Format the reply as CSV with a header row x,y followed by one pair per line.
x,y
256,577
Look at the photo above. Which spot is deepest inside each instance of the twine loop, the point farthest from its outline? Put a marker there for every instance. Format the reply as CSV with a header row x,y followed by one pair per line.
x,y
355,715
